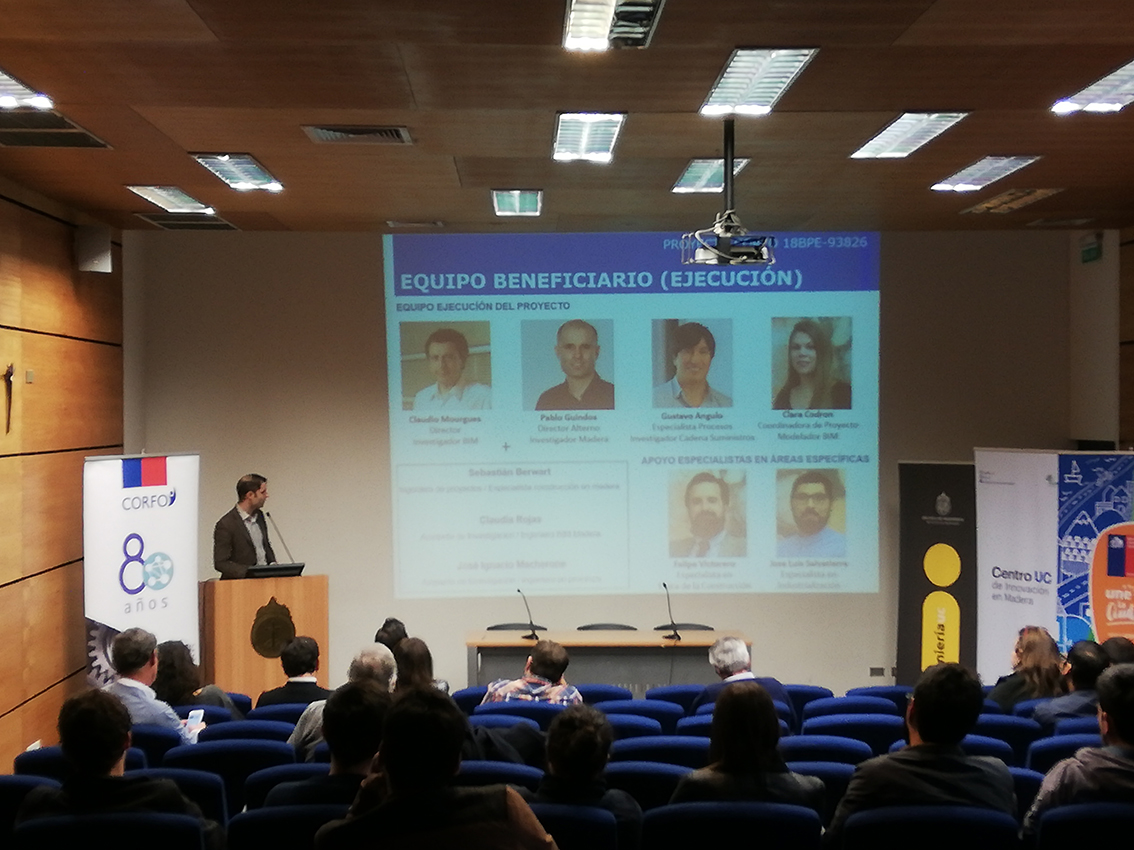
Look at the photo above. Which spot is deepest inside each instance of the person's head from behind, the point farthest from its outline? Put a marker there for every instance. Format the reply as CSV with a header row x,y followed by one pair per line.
x,y
252,492
745,730
392,631
578,743
132,653
729,656
947,700
446,351
375,663
1116,705
415,664
352,724
1119,649
706,501
694,347
94,733
548,660
1036,657
421,741
1087,661
300,657
177,675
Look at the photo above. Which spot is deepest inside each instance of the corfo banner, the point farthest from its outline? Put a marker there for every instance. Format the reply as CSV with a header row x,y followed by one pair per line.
x,y
139,551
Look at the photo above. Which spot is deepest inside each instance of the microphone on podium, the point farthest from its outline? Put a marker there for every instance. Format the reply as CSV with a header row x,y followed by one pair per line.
x,y
283,542
519,627
696,627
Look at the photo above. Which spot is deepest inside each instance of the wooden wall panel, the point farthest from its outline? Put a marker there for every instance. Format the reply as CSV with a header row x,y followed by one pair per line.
x,y
43,632
35,720
10,291
11,532
76,397
1126,340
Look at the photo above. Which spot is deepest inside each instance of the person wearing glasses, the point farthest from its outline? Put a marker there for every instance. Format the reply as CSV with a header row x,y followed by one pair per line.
x,y
812,494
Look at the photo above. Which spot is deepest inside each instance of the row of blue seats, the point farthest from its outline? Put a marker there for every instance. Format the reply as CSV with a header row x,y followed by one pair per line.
x,y
675,827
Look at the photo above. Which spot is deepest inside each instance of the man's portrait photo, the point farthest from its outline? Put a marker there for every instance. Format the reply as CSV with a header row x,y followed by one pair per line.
x,y
446,366
566,364
685,352
707,515
577,348
811,520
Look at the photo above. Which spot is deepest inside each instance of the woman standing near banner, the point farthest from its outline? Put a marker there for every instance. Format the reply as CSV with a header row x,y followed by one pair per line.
x,y
1037,670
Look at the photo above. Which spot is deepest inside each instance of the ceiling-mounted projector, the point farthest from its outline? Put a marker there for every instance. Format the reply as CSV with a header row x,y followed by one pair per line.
x,y
727,242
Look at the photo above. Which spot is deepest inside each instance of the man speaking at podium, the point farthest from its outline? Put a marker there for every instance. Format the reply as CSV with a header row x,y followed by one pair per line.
x,y
240,538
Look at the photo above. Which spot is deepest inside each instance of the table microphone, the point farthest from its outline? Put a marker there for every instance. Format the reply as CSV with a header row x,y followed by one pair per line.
x,y
672,623
531,623
282,541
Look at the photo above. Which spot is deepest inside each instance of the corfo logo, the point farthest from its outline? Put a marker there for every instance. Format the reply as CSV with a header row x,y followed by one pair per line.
x,y
145,472
156,571
148,500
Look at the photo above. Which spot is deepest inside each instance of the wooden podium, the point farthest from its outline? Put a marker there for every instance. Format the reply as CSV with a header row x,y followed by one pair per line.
x,y
233,613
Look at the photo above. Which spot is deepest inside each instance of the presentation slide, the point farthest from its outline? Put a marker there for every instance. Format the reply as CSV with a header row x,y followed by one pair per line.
x,y
581,414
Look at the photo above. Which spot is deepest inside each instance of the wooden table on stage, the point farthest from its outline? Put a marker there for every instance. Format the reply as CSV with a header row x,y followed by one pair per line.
x,y
636,660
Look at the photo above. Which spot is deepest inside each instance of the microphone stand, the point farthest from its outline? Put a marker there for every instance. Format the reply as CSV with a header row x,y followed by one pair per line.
x,y
531,622
672,623
283,542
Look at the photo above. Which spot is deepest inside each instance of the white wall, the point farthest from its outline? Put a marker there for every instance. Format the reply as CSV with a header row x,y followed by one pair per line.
x,y
265,352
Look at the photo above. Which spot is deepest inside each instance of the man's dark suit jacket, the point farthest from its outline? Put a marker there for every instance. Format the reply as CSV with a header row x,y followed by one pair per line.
x,y
233,552
293,692
772,686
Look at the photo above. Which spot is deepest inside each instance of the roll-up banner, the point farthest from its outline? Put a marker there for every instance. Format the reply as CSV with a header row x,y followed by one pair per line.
x,y
139,551
937,567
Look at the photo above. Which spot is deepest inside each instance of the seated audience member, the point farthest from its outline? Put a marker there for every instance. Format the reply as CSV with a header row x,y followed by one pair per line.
x,y
373,663
744,761
409,800
542,680
578,748
134,656
1037,670
1096,774
300,660
731,661
1085,663
932,770
94,733
352,726
178,680
415,666
1119,649
391,631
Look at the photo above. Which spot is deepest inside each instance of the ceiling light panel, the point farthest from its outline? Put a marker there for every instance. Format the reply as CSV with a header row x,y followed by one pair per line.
x,y
907,134
588,136
1011,200
982,173
171,199
754,80
513,202
241,171
705,175
587,26
14,95
1109,94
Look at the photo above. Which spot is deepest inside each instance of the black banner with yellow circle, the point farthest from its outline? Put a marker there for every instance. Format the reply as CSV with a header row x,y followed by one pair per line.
x,y
937,579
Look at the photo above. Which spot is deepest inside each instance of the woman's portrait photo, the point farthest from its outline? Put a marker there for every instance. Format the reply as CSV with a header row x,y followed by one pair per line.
x,y
811,363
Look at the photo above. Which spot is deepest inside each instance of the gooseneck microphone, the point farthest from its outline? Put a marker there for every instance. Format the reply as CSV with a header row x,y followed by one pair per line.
x,y
531,623
283,542
672,624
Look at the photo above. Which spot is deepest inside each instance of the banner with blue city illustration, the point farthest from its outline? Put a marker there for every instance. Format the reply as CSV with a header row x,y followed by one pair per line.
x,y
580,413
1096,584
139,551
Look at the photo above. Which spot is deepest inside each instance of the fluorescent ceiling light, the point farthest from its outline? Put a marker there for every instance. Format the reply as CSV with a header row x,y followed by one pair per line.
x,y
1011,200
587,135
588,24
907,134
1109,94
171,199
754,80
239,170
980,174
517,201
14,94
705,175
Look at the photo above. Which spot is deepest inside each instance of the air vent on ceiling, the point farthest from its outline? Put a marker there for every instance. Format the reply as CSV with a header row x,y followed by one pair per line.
x,y
358,135
1060,222
414,224
186,221
38,128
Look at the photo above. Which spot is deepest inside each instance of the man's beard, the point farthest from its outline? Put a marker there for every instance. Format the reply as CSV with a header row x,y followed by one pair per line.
x,y
810,522
706,524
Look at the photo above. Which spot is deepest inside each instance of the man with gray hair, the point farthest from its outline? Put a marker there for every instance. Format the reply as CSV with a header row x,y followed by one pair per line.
x,y
134,656
373,663
731,661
